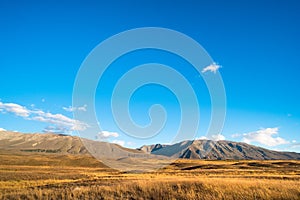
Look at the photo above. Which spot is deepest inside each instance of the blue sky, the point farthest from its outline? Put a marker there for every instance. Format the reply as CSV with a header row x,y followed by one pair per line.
x,y
257,44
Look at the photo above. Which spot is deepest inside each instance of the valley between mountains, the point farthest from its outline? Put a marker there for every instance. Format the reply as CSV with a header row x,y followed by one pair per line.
x,y
51,166
196,149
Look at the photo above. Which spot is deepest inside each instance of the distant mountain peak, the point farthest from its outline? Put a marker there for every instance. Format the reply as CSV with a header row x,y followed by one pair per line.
x,y
218,150
197,149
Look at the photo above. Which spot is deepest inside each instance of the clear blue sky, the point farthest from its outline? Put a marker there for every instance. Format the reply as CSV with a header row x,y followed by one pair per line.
x,y
257,43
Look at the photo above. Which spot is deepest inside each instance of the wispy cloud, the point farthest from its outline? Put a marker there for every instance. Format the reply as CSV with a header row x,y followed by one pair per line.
x,y
129,143
72,109
107,134
56,129
211,68
218,137
295,145
57,121
215,137
264,136
2,129
119,142
111,136
15,109
202,138
236,135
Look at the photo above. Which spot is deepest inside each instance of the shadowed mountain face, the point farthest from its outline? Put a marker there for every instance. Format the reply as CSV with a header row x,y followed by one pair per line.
x,y
218,150
198,149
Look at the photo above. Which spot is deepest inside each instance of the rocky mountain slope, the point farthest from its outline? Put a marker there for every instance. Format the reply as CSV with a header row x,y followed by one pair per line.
x,y
198,149
218,150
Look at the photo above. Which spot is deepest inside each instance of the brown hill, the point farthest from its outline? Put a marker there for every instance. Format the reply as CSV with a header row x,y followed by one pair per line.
x,y
197,149
37,142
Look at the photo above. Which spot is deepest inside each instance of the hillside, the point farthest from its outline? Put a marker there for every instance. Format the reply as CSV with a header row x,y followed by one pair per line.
x,y
37,142
198,149
218,150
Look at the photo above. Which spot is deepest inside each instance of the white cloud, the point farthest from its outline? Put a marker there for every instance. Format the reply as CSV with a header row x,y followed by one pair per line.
x,y
58,122
295,146
212,137
218,137
130,143
236,135
15,109
119,142
2,129
55,129
107,134
71,109
265,137
294,141
202,138
211,68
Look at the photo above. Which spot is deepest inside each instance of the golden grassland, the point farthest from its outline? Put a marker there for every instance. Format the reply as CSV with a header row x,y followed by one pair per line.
x,y
53,176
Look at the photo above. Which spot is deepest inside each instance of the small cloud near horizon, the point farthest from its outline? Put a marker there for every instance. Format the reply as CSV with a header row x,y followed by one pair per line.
x,y
107,134
295,146
236,135
265,136
201,138
119,142
216,137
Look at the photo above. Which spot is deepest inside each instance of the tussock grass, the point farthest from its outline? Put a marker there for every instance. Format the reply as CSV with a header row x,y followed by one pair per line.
x,y
171,189
77,177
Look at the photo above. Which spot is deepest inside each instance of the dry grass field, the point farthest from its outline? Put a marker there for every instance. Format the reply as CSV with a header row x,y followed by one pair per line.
x,y
54,176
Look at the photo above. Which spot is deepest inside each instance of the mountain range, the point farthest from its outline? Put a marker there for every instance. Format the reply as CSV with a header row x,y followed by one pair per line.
x,y
196,149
